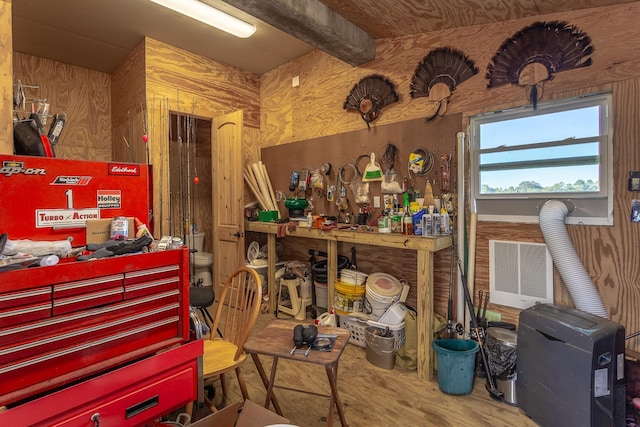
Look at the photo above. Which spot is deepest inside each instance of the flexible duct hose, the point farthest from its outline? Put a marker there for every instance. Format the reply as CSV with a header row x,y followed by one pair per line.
x,y
575,277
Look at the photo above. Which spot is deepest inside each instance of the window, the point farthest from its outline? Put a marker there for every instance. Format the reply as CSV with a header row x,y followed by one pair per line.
x,y
562,150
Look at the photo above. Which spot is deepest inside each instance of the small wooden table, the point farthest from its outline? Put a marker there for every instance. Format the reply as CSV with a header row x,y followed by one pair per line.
x,y
276,340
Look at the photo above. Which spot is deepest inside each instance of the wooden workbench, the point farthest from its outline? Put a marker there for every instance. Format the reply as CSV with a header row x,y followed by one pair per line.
x,y
424,247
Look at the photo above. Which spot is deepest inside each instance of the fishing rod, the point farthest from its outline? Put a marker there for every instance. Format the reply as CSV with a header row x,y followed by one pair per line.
x,y
491,385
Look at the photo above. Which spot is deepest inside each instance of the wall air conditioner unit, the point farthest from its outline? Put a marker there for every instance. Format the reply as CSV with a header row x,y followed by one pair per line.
x,y
520,274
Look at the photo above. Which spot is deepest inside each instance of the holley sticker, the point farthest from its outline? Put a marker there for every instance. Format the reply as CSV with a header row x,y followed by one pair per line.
x,y
109,199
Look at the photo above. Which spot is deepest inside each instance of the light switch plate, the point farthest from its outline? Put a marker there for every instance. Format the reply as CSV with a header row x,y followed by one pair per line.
x,y
376,201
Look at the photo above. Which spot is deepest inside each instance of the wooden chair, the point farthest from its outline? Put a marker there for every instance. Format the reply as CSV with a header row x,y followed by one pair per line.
x,y
235,316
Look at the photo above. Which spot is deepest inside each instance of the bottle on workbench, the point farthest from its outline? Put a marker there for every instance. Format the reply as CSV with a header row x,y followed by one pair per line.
x,y
407,218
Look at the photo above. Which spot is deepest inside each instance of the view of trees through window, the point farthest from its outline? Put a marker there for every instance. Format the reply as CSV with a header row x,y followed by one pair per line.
x,y
522,157
579,186
545,151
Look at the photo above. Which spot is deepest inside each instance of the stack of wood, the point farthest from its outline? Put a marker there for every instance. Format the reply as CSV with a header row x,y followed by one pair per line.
x,y
257,178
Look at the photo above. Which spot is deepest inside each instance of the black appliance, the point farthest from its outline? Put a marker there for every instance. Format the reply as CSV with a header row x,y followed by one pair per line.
x,y
570,368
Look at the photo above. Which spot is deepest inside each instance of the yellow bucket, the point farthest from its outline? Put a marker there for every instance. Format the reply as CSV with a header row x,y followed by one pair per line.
x,y
348,298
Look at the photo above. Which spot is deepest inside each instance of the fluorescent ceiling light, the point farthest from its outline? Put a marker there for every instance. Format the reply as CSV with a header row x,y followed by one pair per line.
x,y
209,15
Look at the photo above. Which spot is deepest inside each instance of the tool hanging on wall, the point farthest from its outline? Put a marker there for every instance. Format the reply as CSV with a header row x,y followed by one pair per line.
x,y
356,164
445,173
293,180
303,180
420,162
372,172
388,158
56,127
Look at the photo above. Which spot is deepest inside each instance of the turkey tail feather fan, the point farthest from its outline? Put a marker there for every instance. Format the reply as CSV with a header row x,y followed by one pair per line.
x,y
442,65
438,75
536,53
369,96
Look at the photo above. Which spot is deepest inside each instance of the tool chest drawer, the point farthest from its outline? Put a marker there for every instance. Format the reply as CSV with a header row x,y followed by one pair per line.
x,y
132,395
93,315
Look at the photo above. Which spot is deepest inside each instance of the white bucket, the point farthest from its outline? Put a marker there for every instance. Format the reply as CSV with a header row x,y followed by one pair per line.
x,y
322,294
375,304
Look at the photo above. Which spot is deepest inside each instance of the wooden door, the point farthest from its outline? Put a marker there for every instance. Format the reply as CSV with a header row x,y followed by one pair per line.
x,y
228,225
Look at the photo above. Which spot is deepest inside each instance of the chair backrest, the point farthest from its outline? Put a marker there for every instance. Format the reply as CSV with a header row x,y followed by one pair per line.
x,y
238,307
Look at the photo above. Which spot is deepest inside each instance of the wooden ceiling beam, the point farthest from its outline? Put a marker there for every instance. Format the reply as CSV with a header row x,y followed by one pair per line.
x,y
316,24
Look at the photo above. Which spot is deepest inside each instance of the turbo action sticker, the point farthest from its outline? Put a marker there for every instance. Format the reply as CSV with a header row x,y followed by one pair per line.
x,y
65,217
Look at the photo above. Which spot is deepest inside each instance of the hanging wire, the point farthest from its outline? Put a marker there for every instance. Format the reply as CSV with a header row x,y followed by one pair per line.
x,y
357,162
341,173
429,161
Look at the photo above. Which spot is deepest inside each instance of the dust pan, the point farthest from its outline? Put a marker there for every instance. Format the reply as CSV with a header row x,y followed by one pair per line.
x,y
372,172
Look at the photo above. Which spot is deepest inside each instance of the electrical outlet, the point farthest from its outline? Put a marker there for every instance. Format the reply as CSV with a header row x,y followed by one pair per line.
x,y
376,201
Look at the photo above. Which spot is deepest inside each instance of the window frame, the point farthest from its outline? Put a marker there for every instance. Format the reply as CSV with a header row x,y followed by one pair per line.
x,y
589,208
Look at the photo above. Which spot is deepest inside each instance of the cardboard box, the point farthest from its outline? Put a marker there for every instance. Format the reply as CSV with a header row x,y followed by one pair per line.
x,y
238,415
99,230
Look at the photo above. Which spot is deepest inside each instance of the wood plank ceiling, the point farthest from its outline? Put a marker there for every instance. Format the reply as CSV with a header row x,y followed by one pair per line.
x,y
397,18
99,34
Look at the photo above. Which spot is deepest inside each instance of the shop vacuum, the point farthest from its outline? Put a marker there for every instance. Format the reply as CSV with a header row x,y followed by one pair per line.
x,y
570,368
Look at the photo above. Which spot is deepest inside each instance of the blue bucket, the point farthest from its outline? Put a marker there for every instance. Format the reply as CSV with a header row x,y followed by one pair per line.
x,y
456,364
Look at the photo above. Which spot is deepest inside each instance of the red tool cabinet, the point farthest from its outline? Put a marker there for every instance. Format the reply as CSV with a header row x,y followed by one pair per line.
x,y
77,320
107,336
130,396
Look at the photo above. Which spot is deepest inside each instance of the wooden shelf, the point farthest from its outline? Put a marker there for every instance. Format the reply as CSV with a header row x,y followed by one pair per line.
x,y
424,247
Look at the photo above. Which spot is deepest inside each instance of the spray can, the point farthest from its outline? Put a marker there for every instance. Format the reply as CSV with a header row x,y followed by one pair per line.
x,y
444,222
427,225
435,224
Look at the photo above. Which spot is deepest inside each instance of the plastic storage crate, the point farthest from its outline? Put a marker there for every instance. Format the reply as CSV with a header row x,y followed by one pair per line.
x,y
356,327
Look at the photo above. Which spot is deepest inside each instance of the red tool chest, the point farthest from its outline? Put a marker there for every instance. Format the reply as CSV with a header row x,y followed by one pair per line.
x,y
132,395
68,321
107,336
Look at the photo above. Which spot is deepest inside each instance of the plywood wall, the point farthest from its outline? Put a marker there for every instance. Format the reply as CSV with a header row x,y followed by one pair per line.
x,y
314,109
83,95
128,121
6,78
157,80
